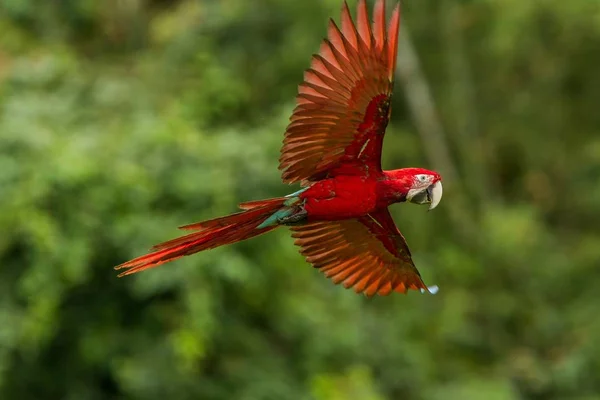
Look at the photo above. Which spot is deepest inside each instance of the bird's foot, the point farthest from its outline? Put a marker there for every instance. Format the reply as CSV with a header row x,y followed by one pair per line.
x,y
298,216
431,289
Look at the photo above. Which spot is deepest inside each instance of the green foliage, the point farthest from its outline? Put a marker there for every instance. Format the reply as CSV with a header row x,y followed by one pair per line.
x,y
120,121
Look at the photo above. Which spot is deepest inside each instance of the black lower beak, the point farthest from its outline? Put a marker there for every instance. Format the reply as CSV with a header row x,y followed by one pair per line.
x,y
423,197
429,194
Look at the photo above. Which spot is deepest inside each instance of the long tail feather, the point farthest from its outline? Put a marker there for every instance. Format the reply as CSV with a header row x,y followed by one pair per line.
x,y
257,206
249,205
212,233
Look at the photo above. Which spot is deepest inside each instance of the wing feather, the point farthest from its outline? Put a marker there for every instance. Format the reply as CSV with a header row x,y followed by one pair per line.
x,y
343,102
367,254
364,27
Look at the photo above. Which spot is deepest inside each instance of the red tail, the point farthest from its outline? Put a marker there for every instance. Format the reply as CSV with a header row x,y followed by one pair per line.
x,y
212,233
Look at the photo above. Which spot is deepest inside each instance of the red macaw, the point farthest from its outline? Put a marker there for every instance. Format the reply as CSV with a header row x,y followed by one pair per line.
x,y
332,147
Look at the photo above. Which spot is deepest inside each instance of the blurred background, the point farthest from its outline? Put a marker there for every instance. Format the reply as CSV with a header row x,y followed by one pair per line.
x,y
123,119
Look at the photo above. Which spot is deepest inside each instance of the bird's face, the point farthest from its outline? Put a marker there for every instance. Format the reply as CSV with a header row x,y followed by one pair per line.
x,y
418,186
426,189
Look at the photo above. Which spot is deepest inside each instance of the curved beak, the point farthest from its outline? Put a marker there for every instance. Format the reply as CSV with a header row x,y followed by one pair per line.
x,y
434,193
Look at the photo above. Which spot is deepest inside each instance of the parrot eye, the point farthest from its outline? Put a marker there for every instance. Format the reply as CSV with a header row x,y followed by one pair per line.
x,y
422,178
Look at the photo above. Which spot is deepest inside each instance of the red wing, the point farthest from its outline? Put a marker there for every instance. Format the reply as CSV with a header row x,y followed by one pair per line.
x,y
343,104
368,254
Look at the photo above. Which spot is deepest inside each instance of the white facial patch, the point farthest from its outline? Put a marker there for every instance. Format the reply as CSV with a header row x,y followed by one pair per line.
x,y
412,193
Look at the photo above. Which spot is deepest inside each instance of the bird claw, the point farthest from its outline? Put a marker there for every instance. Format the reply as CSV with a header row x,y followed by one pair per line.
x,y
296,217
431,289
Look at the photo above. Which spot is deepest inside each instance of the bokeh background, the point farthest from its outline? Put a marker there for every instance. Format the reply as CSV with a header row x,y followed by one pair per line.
x,y
123,119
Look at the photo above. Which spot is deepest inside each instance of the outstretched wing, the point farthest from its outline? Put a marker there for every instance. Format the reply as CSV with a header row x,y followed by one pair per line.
x,y
343,105
368,254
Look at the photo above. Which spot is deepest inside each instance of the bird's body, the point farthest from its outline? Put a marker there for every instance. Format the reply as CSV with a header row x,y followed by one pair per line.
x,y
352,196
341,197
332,147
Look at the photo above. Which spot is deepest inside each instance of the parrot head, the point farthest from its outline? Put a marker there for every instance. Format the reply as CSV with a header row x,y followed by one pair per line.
x,y
418,185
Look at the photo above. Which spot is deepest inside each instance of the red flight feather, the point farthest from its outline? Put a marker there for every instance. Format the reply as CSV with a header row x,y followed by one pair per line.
x,y
344,102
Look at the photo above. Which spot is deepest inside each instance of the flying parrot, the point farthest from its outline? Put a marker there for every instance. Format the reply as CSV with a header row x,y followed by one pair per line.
x,y
332,147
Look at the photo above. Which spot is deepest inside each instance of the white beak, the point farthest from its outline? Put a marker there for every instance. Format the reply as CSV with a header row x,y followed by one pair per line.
x,y
435,194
